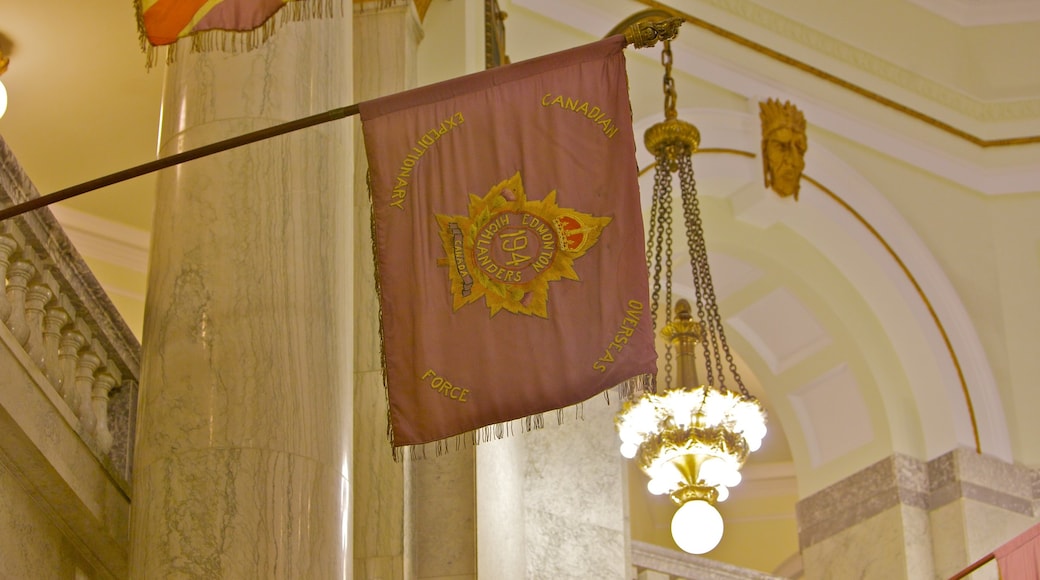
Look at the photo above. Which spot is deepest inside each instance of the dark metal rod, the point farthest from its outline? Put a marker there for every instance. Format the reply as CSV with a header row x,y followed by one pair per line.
x,y
973,567
163,163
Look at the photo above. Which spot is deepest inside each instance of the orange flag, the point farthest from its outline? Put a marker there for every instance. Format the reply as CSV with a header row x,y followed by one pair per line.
x,y
164,21
509,243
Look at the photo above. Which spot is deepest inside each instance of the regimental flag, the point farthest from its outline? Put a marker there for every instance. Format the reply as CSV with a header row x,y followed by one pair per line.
x,y
509,242
164,21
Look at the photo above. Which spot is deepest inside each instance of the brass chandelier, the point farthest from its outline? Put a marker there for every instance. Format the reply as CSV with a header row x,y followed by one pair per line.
x,y
690,438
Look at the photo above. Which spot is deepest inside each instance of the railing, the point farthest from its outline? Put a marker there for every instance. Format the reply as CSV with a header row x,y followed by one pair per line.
x,y
68,378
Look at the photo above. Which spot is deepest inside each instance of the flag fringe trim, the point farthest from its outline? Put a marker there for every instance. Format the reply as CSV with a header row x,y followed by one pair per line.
x,y
626,390
233,41
379,307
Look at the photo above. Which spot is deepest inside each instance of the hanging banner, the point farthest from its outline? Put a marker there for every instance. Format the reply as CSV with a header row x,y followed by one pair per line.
x,y
508,242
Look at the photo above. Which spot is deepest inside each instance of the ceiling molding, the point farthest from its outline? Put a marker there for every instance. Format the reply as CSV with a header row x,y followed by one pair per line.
x,y
833,48
970,13
105,240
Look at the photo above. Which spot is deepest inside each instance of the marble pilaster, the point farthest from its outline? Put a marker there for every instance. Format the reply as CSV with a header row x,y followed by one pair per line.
x,y
551,503
442,516
905,518
575,502
386,36
977,503
872,525
245,426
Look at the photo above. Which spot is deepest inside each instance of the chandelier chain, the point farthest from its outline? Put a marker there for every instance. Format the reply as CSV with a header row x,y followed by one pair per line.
x,y
702,281
695,231
708,340
670,96
655,252
668,281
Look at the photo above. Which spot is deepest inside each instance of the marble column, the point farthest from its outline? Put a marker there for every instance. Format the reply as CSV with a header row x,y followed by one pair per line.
x,y
386,37
244,437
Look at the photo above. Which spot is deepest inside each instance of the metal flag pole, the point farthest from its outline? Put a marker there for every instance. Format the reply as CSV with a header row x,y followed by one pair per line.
x,y
163,163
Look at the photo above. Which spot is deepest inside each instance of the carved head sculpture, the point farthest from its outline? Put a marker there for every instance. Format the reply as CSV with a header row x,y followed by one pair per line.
x,y
783,146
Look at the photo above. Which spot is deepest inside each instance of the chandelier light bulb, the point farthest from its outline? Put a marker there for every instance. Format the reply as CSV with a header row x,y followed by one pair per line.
x,y
754,444
723,493
657,486
3,99
732,477
628,450
697,527
713,471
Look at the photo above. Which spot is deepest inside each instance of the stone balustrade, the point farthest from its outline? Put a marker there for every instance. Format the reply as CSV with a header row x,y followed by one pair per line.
x,y
68,396
650,562
69,329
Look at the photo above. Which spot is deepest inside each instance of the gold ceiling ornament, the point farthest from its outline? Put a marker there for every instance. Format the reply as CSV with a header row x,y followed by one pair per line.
x,y
783,146
690,438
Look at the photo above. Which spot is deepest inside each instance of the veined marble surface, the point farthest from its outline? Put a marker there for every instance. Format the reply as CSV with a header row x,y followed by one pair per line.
x,y
244,437
574,502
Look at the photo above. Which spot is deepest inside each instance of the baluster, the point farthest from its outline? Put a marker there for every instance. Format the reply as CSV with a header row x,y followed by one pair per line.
x,y
53,322
72,340
88,363
18,276
107,378
40,293
8,245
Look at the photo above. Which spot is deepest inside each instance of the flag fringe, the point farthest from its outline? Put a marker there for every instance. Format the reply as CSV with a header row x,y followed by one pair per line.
x,y
379,306
625,391
232,41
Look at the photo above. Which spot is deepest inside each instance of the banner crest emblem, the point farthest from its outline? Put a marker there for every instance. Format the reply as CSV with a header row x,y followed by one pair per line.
x,y
509,248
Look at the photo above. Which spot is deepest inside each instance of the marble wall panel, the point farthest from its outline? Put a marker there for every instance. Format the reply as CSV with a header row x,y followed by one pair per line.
x,y
31,544
67,483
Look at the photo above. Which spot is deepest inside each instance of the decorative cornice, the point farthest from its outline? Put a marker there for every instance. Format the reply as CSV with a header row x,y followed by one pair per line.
x,y
983,12
1010,110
